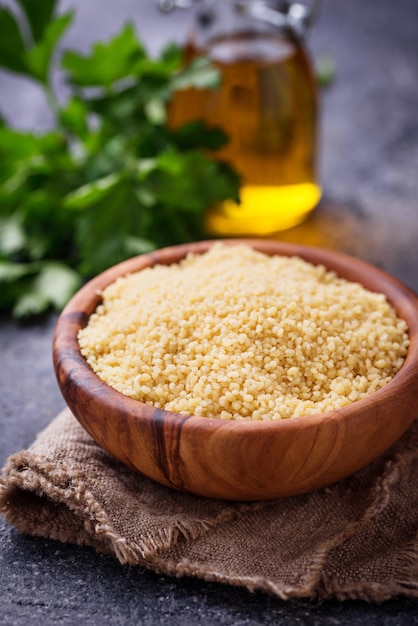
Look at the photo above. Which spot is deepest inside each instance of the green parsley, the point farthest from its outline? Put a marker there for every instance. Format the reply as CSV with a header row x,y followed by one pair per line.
x,y
110,180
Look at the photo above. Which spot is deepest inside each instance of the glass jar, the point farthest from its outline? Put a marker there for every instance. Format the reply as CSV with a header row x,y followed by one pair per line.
x,y
267,105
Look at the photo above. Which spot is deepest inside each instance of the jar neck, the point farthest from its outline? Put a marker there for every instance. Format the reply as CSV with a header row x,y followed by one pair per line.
x,y
232,16
217,18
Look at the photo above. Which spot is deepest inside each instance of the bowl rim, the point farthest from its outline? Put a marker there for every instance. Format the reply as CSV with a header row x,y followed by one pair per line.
x,y
71,365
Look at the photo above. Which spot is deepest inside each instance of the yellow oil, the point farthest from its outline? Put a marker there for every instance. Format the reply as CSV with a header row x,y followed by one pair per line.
x,y
264,209
266,103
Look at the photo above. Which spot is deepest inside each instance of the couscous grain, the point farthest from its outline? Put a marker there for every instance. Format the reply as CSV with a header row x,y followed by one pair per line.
x,y
236,334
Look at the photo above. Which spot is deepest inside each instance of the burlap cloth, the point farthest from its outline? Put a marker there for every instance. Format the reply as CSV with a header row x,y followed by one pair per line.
x,y
356,539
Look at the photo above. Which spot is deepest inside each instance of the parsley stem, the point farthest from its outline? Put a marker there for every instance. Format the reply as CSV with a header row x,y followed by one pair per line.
x,y
52,101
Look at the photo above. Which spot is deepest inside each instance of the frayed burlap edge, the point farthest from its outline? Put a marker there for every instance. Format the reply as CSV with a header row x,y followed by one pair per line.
x,y
30,474
63,485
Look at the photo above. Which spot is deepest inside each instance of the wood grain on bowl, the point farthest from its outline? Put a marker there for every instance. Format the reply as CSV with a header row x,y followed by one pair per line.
x,y
240,460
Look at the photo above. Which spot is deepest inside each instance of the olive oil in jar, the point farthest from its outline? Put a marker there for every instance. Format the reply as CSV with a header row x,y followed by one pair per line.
x,y
266,104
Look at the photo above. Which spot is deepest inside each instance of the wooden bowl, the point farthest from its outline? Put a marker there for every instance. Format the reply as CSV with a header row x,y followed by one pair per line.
x,y
239,460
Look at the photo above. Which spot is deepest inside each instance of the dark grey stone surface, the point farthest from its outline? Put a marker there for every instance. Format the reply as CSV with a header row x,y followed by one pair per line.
x,y
369,157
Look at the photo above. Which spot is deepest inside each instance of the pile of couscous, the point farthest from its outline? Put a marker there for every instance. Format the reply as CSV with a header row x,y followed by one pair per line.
x,y
236,334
